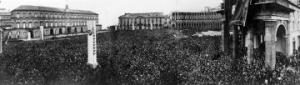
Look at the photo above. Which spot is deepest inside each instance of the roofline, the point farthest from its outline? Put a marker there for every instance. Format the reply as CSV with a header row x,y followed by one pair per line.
x,y
196,12
56,11
53,11
142,17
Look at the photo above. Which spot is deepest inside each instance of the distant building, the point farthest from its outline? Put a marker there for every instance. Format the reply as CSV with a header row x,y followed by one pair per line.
x,y
55,21
99,27
136,21
5,19
201,21
113,28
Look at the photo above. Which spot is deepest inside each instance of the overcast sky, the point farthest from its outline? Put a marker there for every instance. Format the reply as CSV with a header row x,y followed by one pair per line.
x,y
110,10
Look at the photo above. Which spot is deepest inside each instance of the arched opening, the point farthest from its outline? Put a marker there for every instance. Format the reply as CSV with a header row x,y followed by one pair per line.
x,y
31,34
69,30
60,31
281,40
76,29
82,29
51,32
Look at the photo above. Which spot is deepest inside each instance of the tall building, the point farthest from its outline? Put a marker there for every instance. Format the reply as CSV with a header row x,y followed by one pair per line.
x,y
55,21
202,21
135,21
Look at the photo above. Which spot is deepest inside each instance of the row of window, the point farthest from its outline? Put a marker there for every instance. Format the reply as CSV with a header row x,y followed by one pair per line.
x,y
210,17
195,14
24,34
199,24
33,20
138,28
35,24
142,21
148,25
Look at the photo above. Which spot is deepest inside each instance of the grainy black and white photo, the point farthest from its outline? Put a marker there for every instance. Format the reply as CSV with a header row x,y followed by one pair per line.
x,y
149,42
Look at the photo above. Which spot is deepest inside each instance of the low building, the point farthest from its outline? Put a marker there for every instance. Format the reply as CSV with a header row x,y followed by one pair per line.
x,y
201,21
136,21
113,28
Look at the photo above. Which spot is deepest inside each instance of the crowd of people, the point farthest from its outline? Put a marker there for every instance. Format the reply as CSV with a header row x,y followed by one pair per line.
x,y
125,57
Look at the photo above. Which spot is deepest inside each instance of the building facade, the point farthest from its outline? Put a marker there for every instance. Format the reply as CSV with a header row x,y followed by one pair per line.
x,y
201,21
294,25
5,19
136,21
54,21
275,30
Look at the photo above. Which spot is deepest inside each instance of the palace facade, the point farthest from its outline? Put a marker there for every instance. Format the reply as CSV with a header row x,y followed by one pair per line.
x,y
136,21
53,21
201,21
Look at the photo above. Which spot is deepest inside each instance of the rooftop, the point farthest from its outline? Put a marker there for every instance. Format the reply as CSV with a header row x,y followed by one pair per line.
x,y
150,14
215,11
44,8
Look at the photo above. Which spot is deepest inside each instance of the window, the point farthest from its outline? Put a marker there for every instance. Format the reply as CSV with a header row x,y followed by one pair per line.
x,y
18,25
30,24
18,15
29,14
35,15
24,15
23,24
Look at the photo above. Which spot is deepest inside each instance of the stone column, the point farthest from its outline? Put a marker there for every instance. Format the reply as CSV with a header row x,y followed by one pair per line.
x,y
289,41
256,41
270,44
250,45
289,45
42,32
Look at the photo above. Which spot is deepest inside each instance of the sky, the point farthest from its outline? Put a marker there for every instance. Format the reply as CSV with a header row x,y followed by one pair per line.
x,y
110,10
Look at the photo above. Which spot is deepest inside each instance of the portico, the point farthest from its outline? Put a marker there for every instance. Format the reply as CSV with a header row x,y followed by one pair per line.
x,y
270,29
